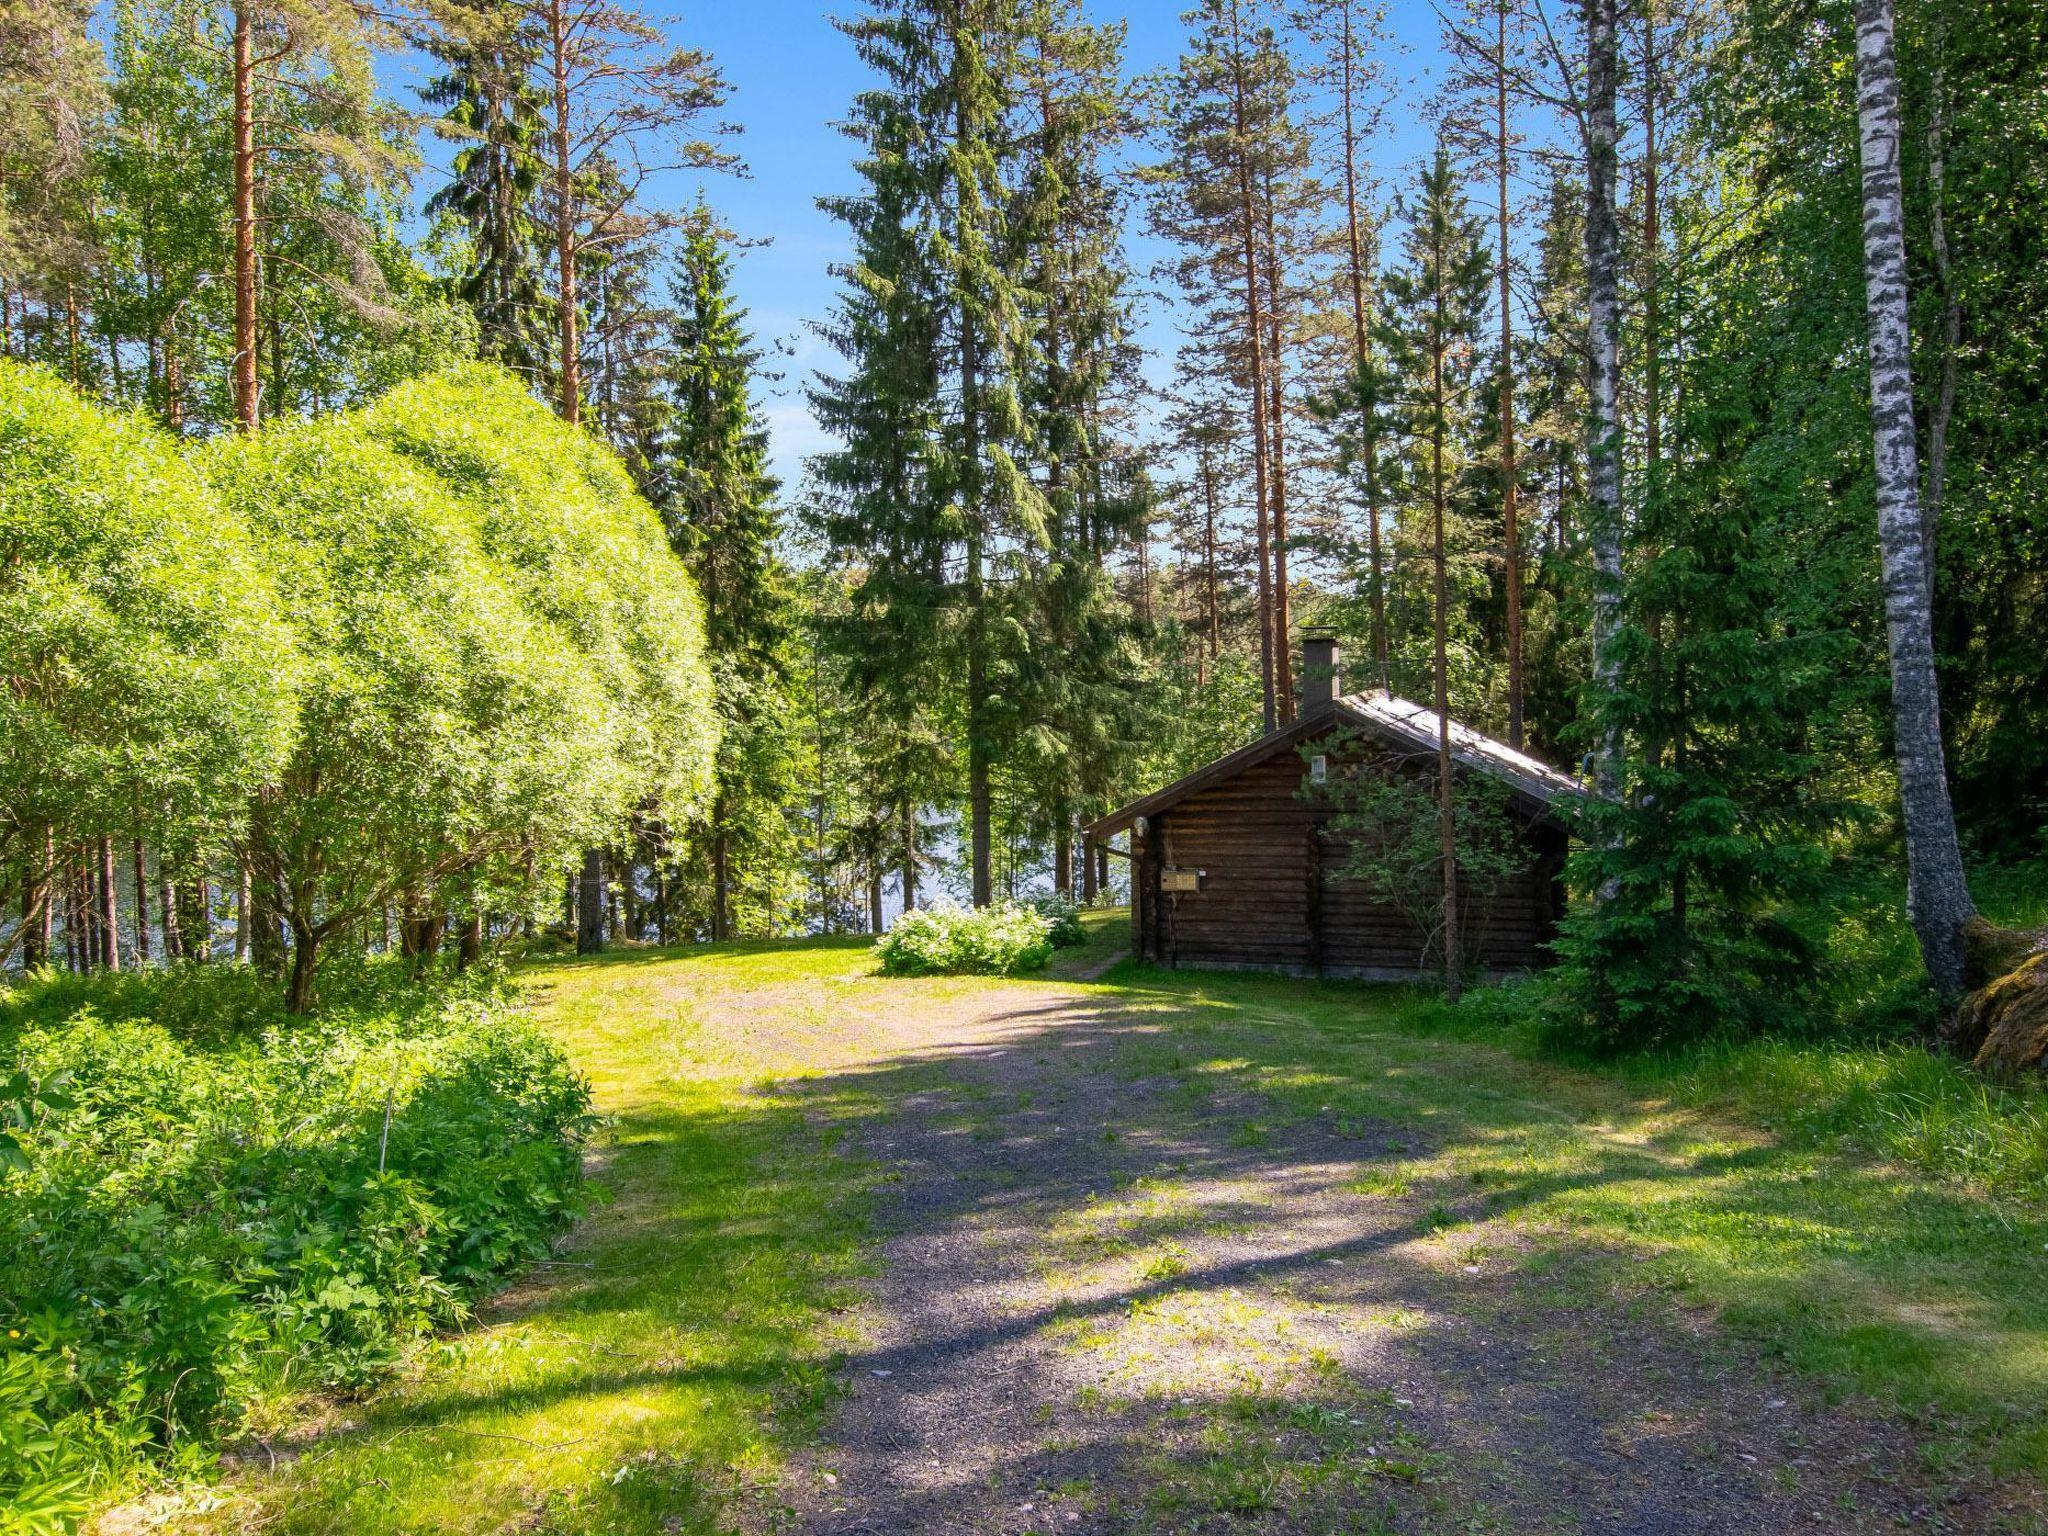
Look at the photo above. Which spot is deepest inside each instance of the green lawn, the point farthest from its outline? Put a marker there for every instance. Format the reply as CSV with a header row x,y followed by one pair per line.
x,y
686,1335
633,1383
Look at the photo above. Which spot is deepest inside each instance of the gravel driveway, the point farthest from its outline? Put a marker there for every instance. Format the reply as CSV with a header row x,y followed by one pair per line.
x,y
1113,1296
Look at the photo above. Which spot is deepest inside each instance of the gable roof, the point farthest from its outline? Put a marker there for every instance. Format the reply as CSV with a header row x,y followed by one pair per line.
x,y
1397,722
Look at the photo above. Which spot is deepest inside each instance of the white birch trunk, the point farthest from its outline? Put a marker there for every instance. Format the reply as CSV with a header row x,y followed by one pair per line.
x,y
1937,894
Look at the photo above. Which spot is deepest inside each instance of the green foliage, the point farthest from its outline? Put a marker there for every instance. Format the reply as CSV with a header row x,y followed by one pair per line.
x,y
146,677
1386,812
503,660
1731,691
207,1215
737,867
1064,914
949,940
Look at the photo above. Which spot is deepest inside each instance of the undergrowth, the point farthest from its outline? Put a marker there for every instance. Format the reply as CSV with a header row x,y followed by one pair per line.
x,y
207,1205
1007,939
1854,1070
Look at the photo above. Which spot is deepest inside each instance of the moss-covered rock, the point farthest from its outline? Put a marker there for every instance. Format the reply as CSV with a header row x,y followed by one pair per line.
x,y
2008,1020
1990,951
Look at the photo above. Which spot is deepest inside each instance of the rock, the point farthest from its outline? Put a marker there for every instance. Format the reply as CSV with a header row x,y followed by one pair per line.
x,y
2010,1018
1990,951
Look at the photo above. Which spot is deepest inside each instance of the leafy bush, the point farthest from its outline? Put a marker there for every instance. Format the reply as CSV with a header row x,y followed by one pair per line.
x,y
502,657
142,643
949,940
198,1218
1064,913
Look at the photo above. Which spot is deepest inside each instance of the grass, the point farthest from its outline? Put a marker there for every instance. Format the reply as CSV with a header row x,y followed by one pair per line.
x,y
631,1385
1871,1218
1915,1282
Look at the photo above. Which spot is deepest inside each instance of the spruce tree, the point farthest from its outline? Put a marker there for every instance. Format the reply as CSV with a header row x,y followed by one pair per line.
x,y
1723,812
1436,304
938,321
492,106
708,474
1076,682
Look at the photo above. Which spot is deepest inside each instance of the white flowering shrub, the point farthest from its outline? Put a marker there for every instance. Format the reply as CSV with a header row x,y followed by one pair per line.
x,y
950,940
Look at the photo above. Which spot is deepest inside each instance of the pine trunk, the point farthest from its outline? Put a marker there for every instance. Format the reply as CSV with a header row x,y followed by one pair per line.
x,y
1447,832
1255,380
1276,412
1937,892
1361,356
565,215
1509,490
1212,611
1603,341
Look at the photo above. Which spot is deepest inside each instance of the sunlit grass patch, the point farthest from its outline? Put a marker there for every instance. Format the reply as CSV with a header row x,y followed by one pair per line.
x,y
677,1340
1910,1276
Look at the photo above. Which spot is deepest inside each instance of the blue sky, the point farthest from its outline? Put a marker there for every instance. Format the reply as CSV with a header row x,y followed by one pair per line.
x,y
793,74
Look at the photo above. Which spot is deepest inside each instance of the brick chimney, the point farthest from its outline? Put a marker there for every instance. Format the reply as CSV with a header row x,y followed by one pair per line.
x,y
1320,684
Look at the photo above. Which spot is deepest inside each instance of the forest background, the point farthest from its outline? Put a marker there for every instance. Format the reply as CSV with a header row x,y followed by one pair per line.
x,y
1148,342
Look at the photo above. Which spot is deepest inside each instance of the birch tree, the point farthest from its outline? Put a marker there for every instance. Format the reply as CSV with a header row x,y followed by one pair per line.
x,y
1937,892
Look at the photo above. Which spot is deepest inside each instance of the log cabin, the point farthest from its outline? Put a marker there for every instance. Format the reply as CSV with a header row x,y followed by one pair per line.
x,y
1239,865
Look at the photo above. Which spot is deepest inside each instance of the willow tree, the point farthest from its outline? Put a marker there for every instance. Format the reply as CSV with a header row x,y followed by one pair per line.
x,y
503,660
146,674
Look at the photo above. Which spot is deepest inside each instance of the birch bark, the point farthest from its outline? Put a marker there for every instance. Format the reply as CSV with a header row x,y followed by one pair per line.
x,y
1937,893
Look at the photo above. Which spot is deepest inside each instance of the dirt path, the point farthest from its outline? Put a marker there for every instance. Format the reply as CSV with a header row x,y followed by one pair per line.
x,y
1117,1298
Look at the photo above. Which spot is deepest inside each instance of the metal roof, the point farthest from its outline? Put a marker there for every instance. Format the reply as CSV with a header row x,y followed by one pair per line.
x,y
1400,722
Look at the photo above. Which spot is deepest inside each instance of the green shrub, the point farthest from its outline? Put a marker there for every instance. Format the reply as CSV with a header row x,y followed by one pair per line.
x,y
948,940
1064,913
198,1218
149,669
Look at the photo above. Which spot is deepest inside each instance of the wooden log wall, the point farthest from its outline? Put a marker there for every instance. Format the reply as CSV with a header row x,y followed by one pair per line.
x,y
1273,896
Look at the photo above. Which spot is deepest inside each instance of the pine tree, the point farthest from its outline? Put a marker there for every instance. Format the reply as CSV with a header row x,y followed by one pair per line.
x,y
1351,38
708,473
619,95
1226,126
